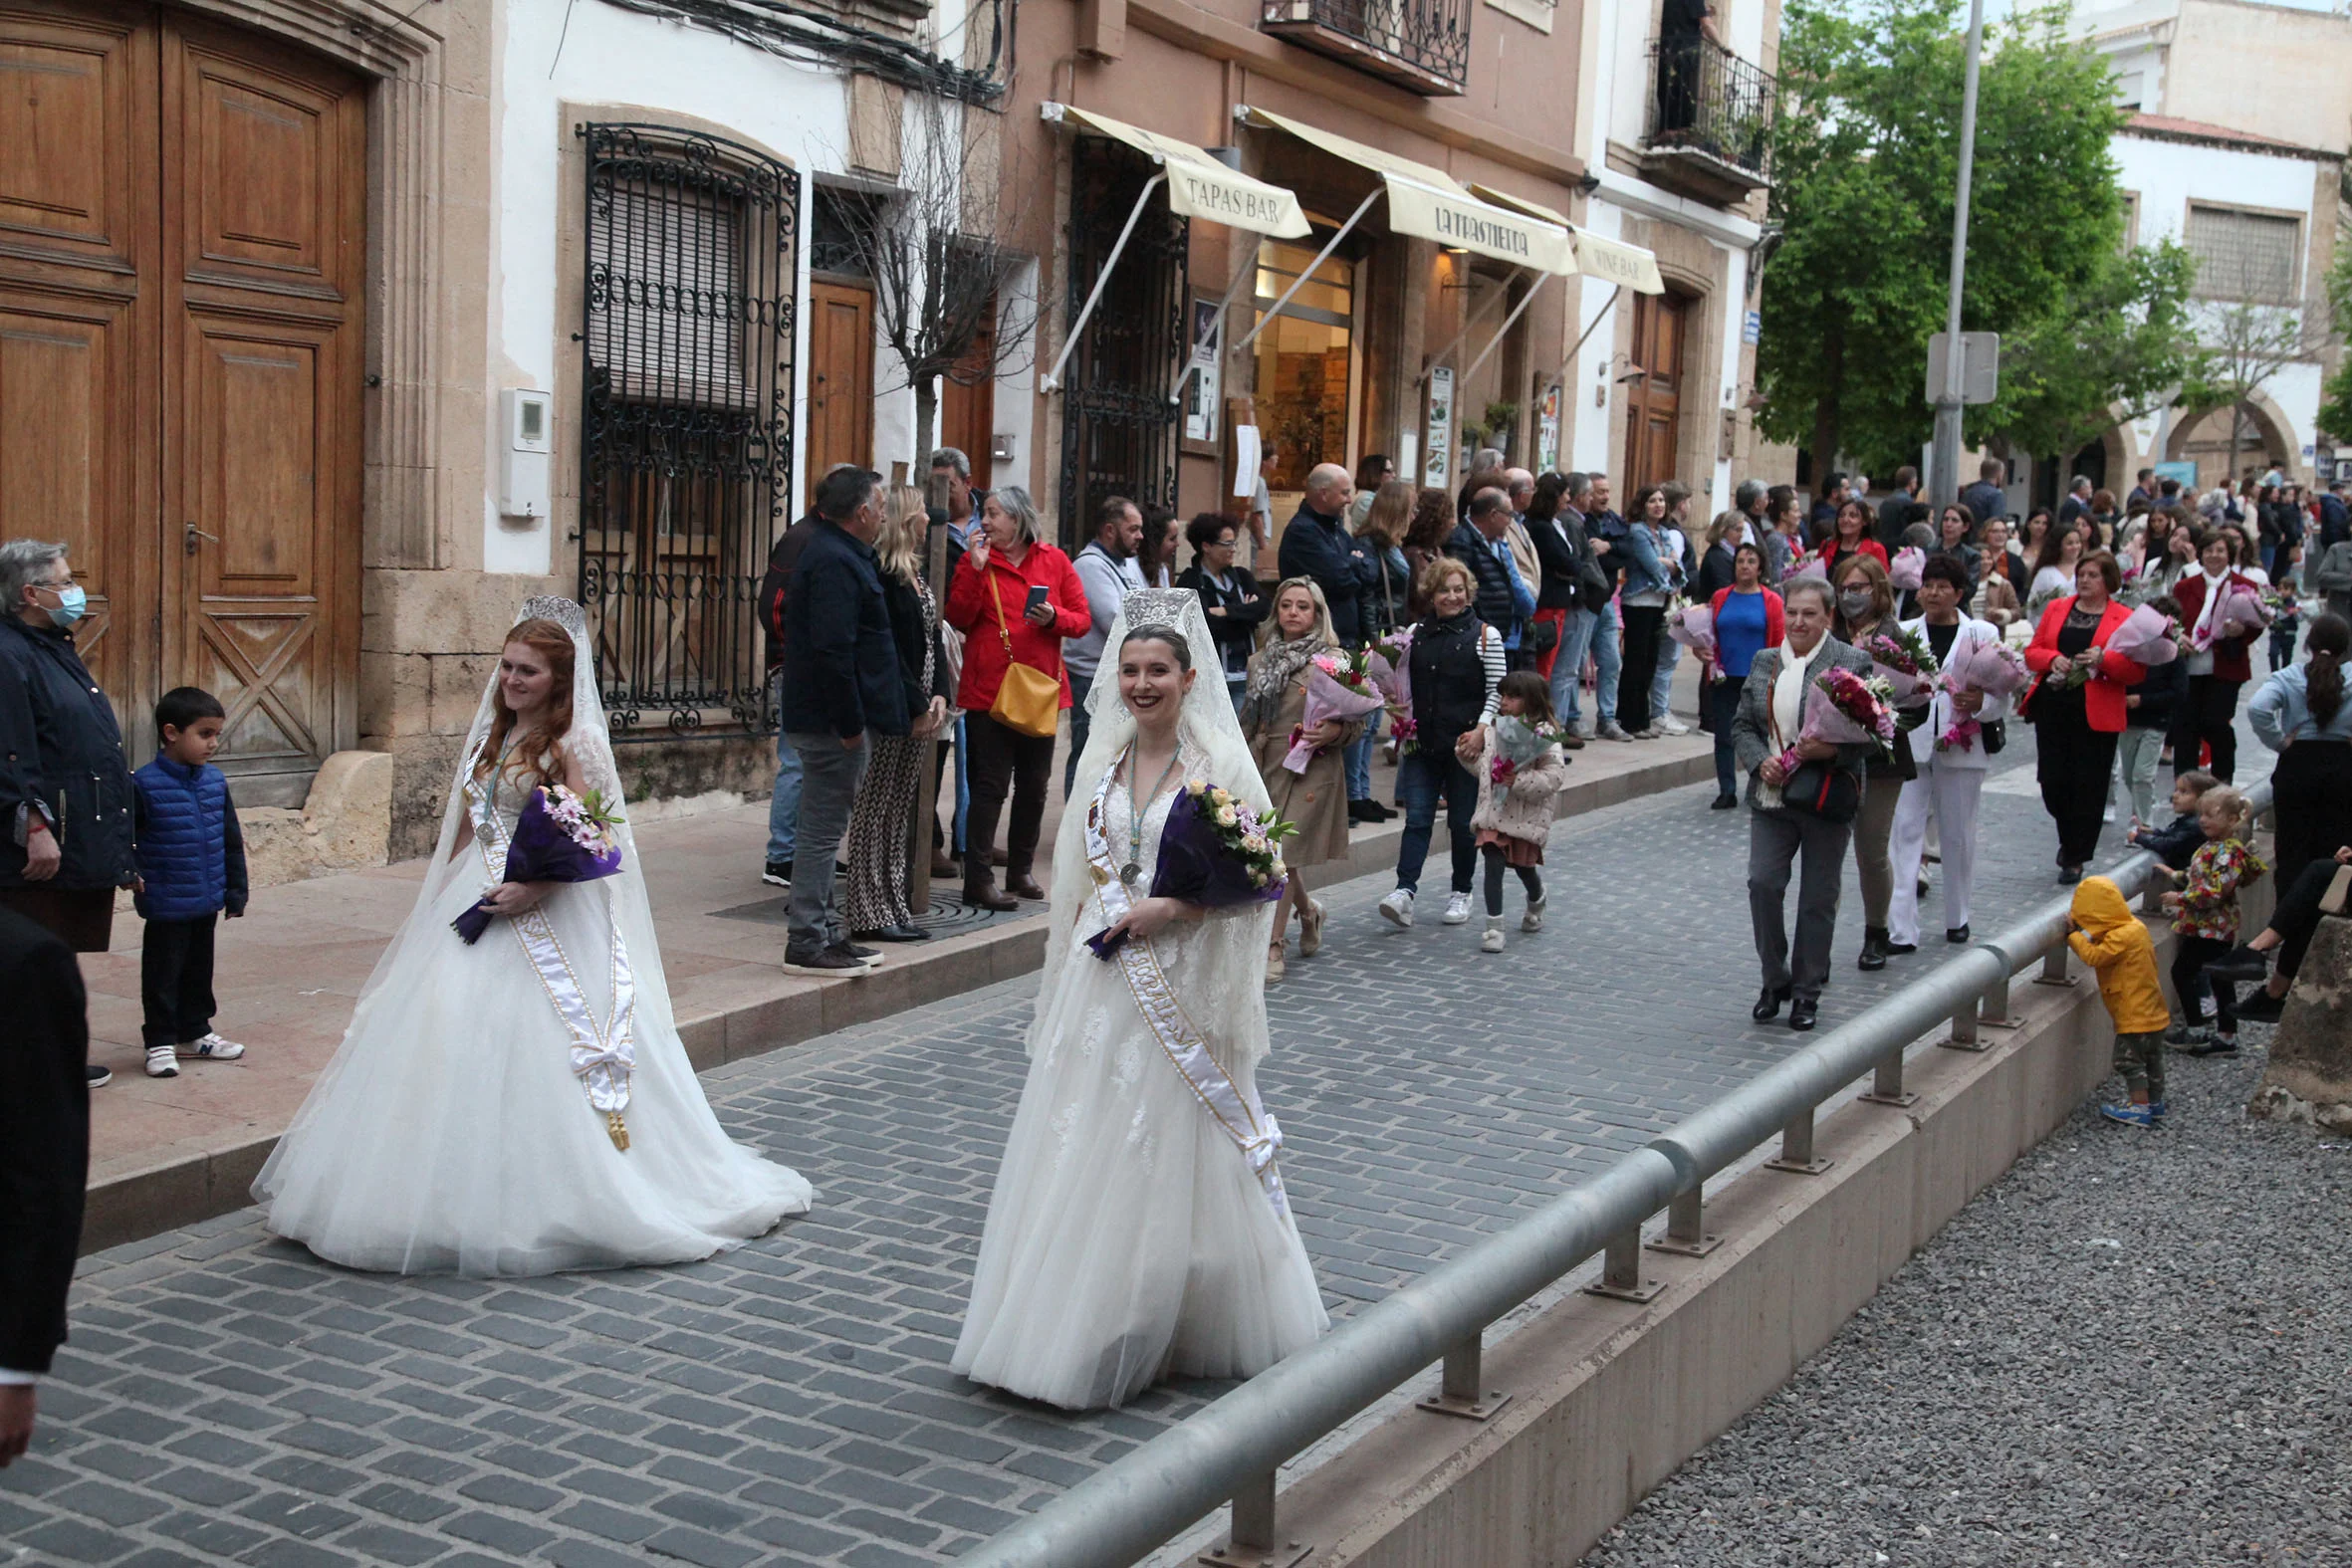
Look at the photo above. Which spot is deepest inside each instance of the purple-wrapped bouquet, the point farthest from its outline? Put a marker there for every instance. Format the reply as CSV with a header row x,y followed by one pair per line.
x,y
1216,852
559,838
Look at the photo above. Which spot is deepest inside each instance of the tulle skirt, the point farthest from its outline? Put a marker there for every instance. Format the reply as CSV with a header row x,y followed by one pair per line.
x,y
449,1136
1127,1238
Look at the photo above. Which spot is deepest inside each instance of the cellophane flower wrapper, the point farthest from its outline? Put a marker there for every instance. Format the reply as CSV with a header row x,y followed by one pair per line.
x,y
1844,708
1810,567
2147,637
2242,610
1993,668
1517,744
1215,852
1905,571
1694,628
1906,663
559,838
1335,690
1394,673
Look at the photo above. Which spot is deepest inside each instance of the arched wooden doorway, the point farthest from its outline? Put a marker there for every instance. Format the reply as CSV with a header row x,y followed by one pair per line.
x,y
183,250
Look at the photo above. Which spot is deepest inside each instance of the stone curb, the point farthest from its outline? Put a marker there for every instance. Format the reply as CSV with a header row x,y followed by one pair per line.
x,y
193,1186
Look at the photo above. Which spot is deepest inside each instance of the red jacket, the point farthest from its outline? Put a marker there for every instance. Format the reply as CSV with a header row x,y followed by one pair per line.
x,y
2103,695
1040,647
1869,546
2229,653
1776,613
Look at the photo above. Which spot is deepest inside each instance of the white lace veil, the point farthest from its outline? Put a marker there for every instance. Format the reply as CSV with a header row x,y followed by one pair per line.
x,y
1208,738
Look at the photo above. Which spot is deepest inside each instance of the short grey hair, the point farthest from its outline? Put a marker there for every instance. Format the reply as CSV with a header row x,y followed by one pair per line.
x,y
24,562
1795,588
1014,502
952,457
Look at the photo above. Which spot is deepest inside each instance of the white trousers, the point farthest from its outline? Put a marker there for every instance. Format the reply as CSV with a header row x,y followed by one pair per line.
x,y
1949,795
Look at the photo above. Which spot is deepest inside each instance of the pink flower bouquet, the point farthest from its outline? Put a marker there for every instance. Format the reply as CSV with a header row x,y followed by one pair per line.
x,y
1993,668
1904,570
2147,636
2243,611
1391,663
1903,659
1694,627
1809,567
1844,708
1338,686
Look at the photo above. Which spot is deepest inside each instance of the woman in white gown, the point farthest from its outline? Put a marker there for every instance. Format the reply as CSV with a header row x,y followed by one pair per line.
x,y
1138,1229
522,1105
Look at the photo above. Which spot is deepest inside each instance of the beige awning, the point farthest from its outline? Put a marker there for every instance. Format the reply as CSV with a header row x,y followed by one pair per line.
x,y
1197,185
1611,261
1429,204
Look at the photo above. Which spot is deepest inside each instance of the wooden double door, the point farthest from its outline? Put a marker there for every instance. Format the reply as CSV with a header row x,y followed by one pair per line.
x,y
1653,398
182,248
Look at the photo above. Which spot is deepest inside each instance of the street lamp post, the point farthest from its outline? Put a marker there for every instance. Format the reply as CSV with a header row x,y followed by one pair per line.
x,y
1944,483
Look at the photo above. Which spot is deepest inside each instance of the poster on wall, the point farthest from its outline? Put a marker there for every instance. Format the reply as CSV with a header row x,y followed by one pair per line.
x,y
1245,462
1438,465
1202,386
1547,430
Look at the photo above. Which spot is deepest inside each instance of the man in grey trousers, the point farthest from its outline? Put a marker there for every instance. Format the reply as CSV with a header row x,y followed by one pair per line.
x,y
1769,719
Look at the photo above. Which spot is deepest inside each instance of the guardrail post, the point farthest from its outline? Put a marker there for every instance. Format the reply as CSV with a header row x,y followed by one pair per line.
x,y
1461,1390
1886,1082
1796,1148
1686,1227
2053,966
1255,1543
1992,1008
1620,1270
2152,896
1964,1030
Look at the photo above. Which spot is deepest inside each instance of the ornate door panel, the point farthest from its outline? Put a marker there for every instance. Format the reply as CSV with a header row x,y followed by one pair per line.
x,y
1653,404
262,226
76,320
841,379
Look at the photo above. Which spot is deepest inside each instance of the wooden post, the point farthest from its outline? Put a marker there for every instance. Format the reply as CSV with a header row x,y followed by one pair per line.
x,y
919,821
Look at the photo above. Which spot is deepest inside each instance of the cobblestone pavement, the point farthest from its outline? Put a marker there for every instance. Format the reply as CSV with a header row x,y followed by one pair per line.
x,y
228,1399
2130,1350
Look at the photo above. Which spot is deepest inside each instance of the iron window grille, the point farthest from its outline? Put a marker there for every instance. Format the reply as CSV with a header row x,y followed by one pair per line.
x,y
1118,424
686,435
1430,38
1705,98
2244,257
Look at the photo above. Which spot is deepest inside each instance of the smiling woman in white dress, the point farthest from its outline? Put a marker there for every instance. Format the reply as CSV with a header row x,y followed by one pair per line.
x,y
521,1105
1138,1229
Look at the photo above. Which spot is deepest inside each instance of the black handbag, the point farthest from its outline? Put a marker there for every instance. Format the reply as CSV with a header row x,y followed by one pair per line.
x,y
1995,733
1820,790
1540,637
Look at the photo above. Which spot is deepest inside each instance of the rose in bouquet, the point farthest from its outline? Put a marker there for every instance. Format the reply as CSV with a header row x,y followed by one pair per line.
x,y
1900,658
1216,852
1518,741
1339,685
2147,636
559,838
1905,571
1843,709
1993,668
1694,627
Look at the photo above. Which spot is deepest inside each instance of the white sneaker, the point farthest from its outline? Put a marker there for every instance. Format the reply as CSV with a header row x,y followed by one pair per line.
x,y
161,1063
1532,920
1670,725
211,1049
1397,907
1492,942
1458,909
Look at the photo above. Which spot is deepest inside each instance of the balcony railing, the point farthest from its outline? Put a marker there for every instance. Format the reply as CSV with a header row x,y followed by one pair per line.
x,y
1709,123
1420,45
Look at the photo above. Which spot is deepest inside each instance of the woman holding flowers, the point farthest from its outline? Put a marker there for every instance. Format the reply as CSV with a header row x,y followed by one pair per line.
x,y
2077,706
1312,796
1453,667
520,1104
1951,750
1140,1228
1865,613
2220,606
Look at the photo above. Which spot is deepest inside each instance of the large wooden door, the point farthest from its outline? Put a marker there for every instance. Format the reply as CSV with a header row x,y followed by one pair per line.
x,y
968,403
182,251
841,379
1653,425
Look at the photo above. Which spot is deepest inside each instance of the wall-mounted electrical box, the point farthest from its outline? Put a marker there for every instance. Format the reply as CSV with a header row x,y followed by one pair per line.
x,y
525,446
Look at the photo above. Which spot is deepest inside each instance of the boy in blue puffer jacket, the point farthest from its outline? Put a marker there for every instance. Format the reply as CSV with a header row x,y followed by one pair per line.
x,y
191,870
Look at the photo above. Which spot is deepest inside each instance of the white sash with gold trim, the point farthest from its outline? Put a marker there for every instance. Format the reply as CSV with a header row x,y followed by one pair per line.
x,y
1243,1118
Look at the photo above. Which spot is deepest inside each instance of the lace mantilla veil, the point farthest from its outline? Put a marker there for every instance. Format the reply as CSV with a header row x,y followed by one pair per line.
x,y
1210,741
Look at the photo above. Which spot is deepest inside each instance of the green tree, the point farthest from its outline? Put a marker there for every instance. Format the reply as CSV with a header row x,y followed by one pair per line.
x,y
2335,407
1866,152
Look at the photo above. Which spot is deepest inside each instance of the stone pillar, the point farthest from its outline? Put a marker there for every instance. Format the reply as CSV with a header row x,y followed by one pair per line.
x,y
2309,1078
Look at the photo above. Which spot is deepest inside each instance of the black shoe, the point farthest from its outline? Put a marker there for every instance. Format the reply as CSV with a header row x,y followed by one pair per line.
x,y
832,961
2070,875
2260,1007
1955,935
1901,948
99,1076
1802,1013
2217,1047
777,874
984,895
1361,811
1767,1004
867,955
1723,802
2241,963
1380,813
1023,885
1874,948
894,934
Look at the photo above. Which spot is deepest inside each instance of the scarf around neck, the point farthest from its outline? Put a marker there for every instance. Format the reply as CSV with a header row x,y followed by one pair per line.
x,y
1276,665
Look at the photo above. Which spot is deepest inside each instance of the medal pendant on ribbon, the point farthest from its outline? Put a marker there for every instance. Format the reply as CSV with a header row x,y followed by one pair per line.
x,y
1130,873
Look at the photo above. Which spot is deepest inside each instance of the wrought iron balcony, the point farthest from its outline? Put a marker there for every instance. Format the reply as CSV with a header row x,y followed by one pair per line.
x,y
1422,46
1708,133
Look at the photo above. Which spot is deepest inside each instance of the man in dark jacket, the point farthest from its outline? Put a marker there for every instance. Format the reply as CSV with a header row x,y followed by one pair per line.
x,y
67,846
1894,513
1986,499
840,680
1482,544
1570,585
784,805
44,1160
1316,544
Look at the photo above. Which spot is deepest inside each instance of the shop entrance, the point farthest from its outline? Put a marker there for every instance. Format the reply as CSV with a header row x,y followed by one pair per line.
x,y
1308,367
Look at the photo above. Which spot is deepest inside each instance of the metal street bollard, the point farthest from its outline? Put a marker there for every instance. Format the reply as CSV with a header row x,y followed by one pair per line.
x,y
1886,1082
1686,1227
2053,966
1460,1384
1255,1543
1992,1008
1964,1030
1796,1148
1620,1270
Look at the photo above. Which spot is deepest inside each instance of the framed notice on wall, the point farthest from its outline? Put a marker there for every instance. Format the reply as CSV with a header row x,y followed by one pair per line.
x,y
1437,462
1203,389
1547,430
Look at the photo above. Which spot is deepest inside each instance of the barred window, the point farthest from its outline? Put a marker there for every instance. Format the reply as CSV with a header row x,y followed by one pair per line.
x,y
2244,257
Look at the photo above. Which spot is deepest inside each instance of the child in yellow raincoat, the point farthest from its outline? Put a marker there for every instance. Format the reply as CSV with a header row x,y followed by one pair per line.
x,y
2110,939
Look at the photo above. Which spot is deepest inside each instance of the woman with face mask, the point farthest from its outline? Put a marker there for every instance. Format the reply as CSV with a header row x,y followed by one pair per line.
x,y
65,844
1865,606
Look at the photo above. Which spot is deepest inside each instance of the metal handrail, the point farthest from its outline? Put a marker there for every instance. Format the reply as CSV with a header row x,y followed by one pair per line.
x,y
1230,1450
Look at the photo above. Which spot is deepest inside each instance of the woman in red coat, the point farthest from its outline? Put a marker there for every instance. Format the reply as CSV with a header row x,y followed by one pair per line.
x,y
2217,665
2077,704
988,604
1850,537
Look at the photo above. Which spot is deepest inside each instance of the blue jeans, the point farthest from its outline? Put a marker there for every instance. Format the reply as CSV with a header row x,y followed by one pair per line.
x,y
829,773
1662,683
1608,659
785,804
1358,760
1080,685
1421,780
1568,670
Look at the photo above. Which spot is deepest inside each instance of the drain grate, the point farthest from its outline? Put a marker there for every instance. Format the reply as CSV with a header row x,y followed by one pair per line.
x,y
947,916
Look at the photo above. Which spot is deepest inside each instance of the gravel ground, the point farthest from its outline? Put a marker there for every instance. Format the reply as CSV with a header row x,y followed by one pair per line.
x,y
2134,1348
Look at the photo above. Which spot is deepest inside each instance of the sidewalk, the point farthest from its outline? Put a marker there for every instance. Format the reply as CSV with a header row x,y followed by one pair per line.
x,y
171,1152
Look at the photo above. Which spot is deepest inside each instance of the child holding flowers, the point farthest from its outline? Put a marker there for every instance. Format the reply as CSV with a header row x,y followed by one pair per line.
x,y
1520,771
1313,793
2205,918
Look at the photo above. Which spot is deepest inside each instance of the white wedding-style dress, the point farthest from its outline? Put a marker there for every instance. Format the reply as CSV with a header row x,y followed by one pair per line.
x,y
1138,1229
522,1105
